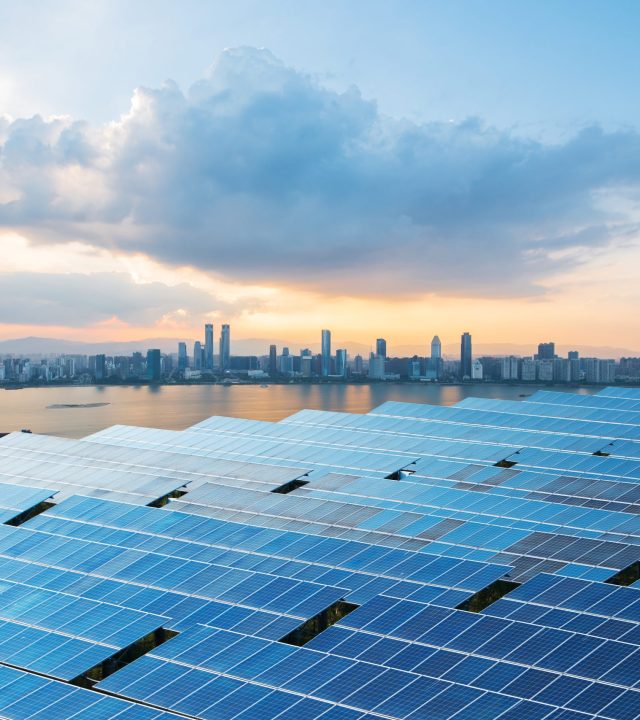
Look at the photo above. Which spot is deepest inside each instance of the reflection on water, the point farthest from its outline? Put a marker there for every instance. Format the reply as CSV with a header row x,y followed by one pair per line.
x,y
177,407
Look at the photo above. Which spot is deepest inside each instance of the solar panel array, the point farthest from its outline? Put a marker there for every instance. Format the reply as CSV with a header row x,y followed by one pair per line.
x,y
420,562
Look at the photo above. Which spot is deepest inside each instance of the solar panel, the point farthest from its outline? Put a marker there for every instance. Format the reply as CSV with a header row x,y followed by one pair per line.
x,y
391,565
15,500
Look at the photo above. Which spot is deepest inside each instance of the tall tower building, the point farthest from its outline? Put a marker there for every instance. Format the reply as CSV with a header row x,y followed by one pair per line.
x,y
381,347
101,367
341,362
154,368
208,346
225,347
434,366
197,355
273,360
325,369
466,356
182,356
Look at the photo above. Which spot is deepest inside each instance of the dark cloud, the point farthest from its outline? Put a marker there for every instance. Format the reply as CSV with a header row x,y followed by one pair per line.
x,y
261,174
78,300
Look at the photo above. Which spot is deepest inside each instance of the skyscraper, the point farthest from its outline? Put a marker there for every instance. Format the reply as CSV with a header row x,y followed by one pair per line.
x,y
101,367
436,348
325,369
225,347
306,363
197,355
136,364
154,370
273,360
341,362
286,362
208,346
381,347
466,357
434,366
376,367
182,356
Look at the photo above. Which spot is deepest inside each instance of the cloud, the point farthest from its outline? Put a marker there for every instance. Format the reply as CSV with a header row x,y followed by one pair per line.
x,y
259,173
78,300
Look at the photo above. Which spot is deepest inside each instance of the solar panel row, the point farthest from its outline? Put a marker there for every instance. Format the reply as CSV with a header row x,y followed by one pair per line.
x,y
348,596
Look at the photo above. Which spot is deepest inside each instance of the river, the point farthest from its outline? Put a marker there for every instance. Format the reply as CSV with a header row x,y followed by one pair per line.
x,y
176,407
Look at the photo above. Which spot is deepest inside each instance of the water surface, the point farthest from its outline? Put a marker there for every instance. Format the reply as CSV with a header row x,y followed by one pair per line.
x,y
176,407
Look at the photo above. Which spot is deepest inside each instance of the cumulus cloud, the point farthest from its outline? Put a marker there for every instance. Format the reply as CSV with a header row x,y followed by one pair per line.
x,y
77,300
259,173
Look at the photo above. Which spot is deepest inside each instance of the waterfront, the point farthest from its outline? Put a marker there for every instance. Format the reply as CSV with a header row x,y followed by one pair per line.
x,y
178,407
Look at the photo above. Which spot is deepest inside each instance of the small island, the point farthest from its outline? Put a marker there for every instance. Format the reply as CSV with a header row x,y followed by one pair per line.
x,y
60,406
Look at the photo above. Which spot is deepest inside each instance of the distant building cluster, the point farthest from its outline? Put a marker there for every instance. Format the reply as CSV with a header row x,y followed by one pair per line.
x,y
547,367
200,361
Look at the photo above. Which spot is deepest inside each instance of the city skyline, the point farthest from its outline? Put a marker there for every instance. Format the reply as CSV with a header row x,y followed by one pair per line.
x,y
302,180
545,366
447,348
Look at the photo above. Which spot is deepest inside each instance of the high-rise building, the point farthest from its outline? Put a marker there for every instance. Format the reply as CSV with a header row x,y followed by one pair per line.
x,y
376,367
122,366
286,362
325,370
509,368
101,367
136,364
545,370
528,373
607,371
306,366
477,370
466,356
341,362
154,369
183,361
208,346
433,368
381,347
575,372
573,355
225,347
561,370
69,367
273,360
592,370
546,351
358,365
197,355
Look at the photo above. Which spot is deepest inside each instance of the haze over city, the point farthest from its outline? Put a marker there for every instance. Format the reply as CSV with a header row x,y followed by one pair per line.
x,y
359,166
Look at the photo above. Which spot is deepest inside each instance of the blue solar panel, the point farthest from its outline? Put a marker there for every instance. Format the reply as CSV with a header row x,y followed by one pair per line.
x,y
354,595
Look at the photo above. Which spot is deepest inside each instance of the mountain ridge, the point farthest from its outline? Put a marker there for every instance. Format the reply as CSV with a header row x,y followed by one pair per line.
x,y
33,345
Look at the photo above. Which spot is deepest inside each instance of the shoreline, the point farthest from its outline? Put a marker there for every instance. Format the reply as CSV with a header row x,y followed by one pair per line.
x,y
265,384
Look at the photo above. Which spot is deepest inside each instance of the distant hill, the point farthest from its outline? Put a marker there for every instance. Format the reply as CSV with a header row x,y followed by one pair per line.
x,y
56,346
33,346
240,346
600,351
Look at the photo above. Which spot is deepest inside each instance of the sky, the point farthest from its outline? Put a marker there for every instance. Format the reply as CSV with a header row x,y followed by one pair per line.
x,y
395,169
